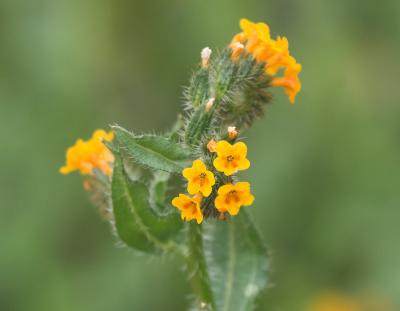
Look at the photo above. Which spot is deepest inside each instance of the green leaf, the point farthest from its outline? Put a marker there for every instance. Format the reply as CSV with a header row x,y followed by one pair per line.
x,y
158,191
136,223
156,152
236,262
197,268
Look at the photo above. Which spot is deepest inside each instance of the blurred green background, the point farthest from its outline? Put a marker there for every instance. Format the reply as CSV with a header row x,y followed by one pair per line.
x,y
325,172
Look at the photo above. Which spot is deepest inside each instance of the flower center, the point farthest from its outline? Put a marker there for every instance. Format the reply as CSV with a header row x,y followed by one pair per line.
x,y
203,175
229,158
190,206
232,197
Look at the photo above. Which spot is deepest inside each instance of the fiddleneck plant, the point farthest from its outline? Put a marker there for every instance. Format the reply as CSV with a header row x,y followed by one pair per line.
x,y
133,178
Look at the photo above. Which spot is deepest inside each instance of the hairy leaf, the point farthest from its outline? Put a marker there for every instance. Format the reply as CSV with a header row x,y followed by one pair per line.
x,y
136,223
197,268
156,152
236,261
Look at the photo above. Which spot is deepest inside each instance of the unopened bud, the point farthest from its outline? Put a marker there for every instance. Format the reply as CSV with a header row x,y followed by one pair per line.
x,y
209,104
237,49
212,146
205,56
232,133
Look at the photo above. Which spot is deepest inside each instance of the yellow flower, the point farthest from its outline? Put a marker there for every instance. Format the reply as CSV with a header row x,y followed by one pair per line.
x,y
231,158
189,207
231,197
91,154
199,178
274,53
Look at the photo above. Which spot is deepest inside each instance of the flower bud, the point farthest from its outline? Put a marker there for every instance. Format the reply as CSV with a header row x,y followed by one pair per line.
x,y
232,133
212,146
205,56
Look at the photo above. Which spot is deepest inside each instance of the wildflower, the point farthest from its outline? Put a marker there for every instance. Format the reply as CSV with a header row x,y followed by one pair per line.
x,y
256,39
91,154
212,146
232,132
290,81
209,104
205,56
189,207
199,178
231,158
232,196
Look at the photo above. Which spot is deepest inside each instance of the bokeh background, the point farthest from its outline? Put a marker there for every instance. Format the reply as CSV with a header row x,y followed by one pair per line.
x,y
325,171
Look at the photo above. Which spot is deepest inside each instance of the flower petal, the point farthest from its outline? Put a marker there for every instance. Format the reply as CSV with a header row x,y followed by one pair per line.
x,y
248,200
210,177
225,189
242,186
234,209
188,172
223,147
240,148
192,187
206,190
219,164
244,164
199,166
220,204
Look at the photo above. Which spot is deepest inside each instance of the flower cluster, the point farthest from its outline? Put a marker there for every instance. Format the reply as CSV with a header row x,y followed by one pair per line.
x,y
230,196
85,156
255,39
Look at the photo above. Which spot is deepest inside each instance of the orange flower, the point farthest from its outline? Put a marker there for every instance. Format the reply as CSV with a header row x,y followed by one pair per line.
x,y
91,154
255,30
274,53
199,178
189,207
231,158
231,197
290,81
